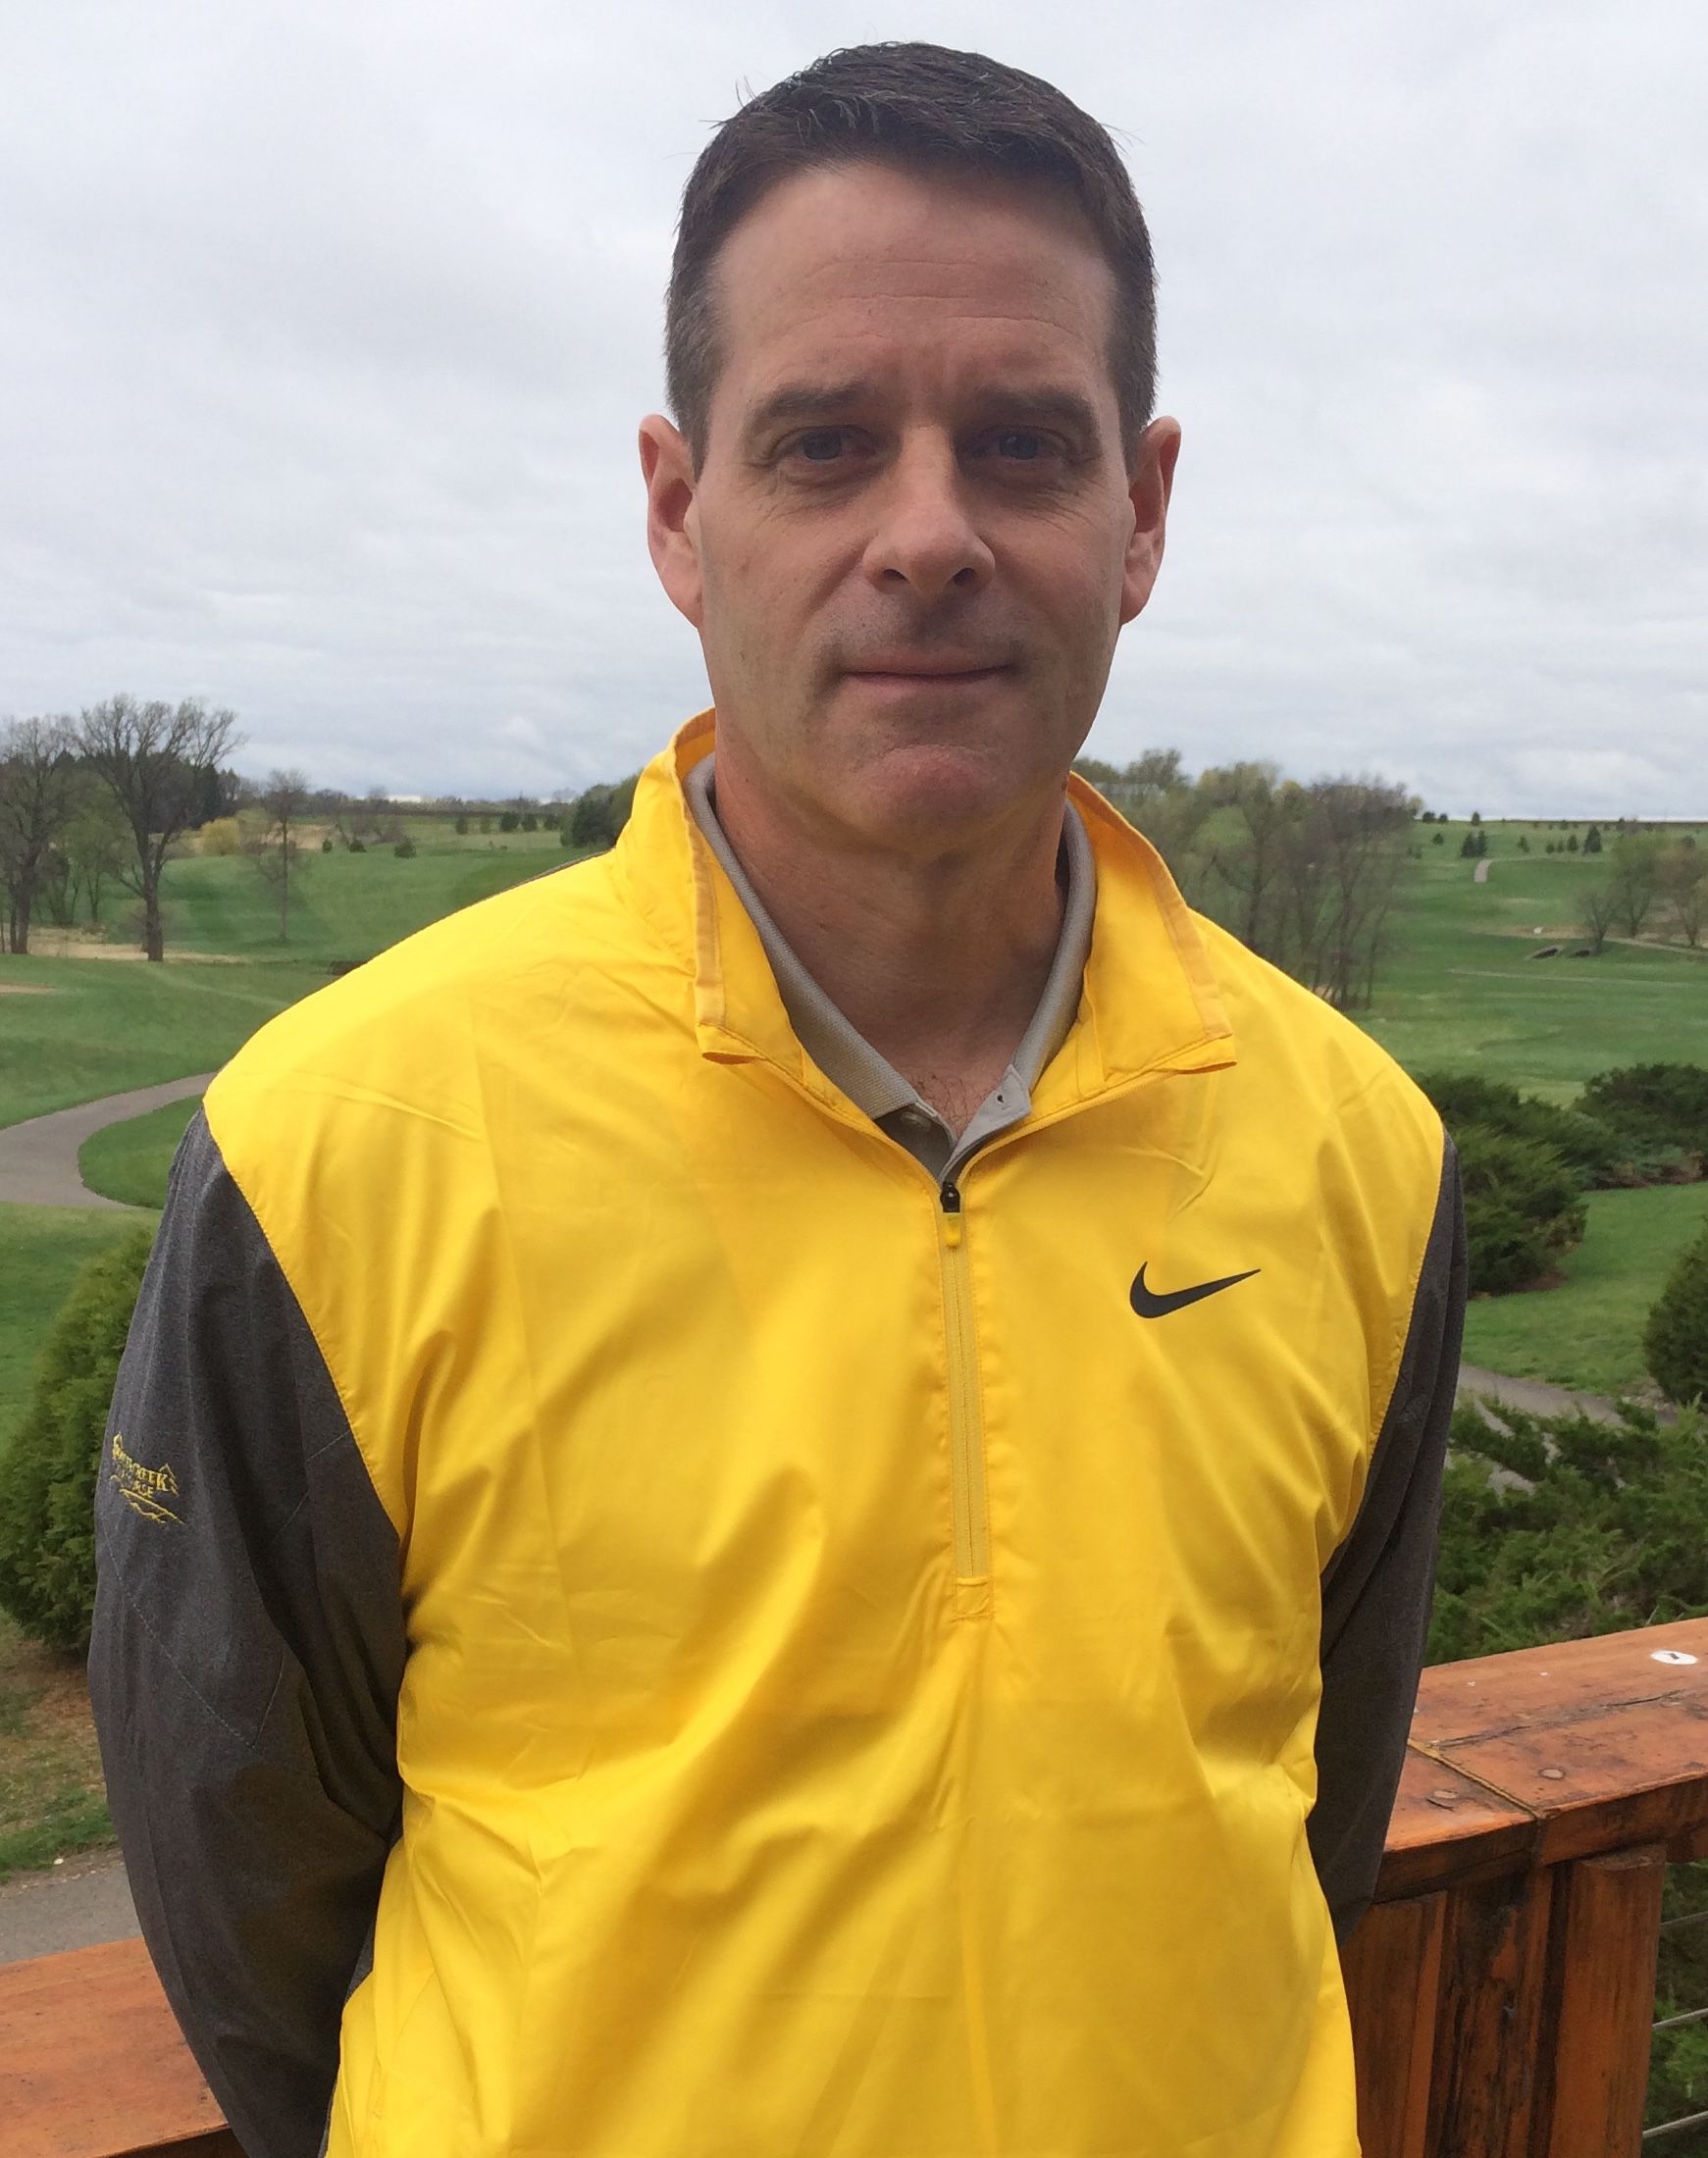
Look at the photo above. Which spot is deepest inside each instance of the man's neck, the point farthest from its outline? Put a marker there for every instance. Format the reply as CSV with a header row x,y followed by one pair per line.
x,y
938,960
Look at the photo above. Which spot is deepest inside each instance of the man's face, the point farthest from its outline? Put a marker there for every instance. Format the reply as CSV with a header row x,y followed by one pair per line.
x,y
913,538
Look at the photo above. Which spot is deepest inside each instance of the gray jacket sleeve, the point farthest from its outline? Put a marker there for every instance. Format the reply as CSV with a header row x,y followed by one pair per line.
x,y
247,1650
1377,1588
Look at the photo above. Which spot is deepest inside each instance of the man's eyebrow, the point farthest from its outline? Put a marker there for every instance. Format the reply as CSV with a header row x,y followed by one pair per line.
x,y
797,401
1048,403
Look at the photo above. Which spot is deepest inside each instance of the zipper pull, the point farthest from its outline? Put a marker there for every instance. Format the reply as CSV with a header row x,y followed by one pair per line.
x,y
950,1196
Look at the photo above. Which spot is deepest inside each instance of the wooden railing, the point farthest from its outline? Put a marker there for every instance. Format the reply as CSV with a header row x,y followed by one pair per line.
x,y
1502,1986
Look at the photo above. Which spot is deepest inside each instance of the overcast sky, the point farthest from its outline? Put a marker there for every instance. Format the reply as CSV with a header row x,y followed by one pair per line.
x,y
326,328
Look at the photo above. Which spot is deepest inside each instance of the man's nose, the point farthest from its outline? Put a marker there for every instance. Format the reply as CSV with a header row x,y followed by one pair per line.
x,y
925,538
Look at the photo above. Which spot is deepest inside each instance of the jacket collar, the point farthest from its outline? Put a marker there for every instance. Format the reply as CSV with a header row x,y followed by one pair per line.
x,y
1150,1003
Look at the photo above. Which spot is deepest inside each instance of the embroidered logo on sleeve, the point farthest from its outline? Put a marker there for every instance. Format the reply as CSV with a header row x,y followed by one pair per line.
x,y
145,1491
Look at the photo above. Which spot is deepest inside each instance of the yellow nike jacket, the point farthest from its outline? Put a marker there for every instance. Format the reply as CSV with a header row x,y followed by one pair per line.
x,y
794,1662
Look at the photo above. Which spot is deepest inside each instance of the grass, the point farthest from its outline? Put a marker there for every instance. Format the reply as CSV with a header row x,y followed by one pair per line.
x,y
344,906
74,1029
52,1798
1461,991
41,1249
128,1162
1587,1333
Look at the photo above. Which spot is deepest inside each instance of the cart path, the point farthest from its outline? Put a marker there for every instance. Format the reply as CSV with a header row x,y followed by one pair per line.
x,y
1534,1395
38,1159
79,1904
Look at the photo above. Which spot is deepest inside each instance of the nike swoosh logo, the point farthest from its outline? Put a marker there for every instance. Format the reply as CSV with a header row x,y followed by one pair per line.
x,y
1149,1305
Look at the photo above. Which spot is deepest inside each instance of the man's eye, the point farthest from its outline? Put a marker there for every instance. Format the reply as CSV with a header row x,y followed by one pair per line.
x,y
1020,444
822,446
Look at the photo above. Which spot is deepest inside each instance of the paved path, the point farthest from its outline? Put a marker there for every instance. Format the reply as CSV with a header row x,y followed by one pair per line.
x,y
76,1905
1480,875
1535,1395
38,1159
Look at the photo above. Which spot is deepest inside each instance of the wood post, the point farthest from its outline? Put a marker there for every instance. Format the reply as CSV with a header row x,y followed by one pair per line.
x,y
1393,1966
1605,1940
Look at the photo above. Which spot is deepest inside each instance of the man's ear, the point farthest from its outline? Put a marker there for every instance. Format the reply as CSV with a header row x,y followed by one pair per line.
x,y
1153,482
672,540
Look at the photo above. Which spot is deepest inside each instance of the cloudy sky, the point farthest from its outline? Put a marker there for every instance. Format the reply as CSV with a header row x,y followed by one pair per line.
x,y
327,327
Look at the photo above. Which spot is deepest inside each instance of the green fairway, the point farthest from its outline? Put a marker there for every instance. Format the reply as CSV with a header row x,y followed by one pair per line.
x,y
41,1249
71,1029
1461,990
344,906
1589,1332
74,1029
130,1162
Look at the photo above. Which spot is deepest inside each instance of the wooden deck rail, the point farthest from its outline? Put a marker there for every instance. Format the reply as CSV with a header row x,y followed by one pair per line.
x,y
1502,1988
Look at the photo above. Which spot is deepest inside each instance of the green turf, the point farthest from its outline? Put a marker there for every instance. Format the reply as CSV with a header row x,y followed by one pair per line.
x,y
41,1249
130,1162
1587,1333
88,1027
344,906
1461,991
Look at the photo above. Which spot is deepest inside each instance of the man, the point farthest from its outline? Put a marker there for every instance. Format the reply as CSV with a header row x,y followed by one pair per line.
x,y
798,1451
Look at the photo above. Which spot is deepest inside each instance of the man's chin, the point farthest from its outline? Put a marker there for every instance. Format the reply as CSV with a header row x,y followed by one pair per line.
x,y
933,796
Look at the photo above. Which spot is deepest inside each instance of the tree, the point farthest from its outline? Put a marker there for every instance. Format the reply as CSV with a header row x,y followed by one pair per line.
x,y
37,799
1684,887
1637,863
1675,1338
284,798
600,813
1591,840
95,843
1599,910
152,758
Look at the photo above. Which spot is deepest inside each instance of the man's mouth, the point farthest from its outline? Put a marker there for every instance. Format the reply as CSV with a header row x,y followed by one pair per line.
x,y
937,671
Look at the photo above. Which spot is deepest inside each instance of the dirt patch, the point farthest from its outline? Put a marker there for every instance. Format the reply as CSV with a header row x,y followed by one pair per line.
x,y
64,946
25,989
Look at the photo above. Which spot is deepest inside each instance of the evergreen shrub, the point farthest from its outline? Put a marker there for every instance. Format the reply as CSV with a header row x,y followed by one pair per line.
x,y
1675,1338
1654,1104
1583,1142
48,1473
1524,1208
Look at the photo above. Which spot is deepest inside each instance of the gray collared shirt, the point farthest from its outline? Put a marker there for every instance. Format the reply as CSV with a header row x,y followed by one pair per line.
x,y
850,1062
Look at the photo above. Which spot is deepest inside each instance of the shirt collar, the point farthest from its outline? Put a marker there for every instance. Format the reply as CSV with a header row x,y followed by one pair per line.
x,y
838,1047
1150,1003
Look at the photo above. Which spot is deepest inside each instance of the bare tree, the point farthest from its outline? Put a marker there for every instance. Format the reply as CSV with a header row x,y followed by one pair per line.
x,y
283,797
1683,884
154,758
37,796
1636,857
1598,912
1355,830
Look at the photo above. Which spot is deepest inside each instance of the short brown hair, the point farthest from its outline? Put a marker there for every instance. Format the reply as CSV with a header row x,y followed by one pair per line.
x,y
924,107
